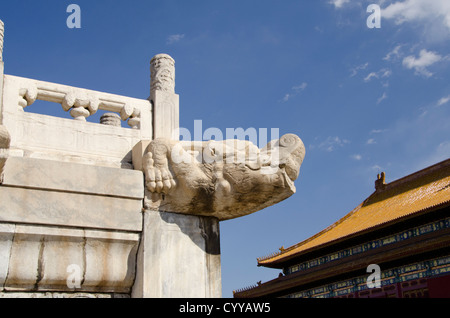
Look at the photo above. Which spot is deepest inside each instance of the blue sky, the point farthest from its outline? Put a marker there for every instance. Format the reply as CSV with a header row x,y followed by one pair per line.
x,y
363,100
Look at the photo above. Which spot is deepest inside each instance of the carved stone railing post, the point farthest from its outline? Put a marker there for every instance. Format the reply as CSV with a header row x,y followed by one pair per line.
x,y
2,29
4,135
162,74
2,32
80,107
162,95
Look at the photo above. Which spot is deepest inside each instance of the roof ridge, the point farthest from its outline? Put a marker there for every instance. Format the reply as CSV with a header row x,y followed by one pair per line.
x,y
381,188
415,175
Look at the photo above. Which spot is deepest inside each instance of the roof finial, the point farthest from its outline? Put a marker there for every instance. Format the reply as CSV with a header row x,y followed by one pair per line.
x,y
380,183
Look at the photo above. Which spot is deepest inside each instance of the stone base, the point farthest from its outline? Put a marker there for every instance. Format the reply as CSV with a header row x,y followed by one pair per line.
x,y
179,256
68,228
42,259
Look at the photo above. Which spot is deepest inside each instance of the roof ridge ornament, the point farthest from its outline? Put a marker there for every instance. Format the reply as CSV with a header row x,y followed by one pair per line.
x,y
380,183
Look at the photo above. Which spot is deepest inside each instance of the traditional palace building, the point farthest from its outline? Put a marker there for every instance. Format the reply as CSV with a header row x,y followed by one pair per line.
x,y
403,228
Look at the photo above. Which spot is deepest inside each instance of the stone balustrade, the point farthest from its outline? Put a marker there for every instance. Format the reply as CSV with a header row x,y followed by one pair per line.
x,y
81,103
43,136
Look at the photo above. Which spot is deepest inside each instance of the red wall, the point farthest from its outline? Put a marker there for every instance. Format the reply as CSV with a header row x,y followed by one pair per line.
x,y
439,287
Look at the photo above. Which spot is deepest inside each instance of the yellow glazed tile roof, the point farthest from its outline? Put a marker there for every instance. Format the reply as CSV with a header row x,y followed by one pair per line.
x,y
419,191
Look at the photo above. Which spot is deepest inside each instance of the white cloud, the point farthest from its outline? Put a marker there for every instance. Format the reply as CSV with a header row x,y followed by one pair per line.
x,y
376,167
356,69
338,3
395,53
386,73
369,77
295,90
418,10
378,131
383,73
356,157
332,143
443,100
433,16
383,97
371,141
174,38
300,87
420,64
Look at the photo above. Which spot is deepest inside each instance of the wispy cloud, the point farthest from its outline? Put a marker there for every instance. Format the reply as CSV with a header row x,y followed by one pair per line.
x,y
332,143
295,90
439,153
382,98
378,131
358,68
426,11
376,168
356,157
443,100
338,3
421,138
300,87
424,60
171,39
394,54
383,73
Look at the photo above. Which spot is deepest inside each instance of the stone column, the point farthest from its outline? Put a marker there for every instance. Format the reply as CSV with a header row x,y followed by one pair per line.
x,y
2,28
162,95
179,257
4,134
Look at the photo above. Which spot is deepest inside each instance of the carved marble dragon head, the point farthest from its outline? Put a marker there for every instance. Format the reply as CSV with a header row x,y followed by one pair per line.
x,y
224,179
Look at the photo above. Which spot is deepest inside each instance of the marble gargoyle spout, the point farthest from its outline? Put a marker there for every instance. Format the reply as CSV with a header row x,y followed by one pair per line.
x,y
225,179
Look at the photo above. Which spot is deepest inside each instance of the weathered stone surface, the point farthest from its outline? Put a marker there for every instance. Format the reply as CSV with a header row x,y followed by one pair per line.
x,y
179,256
5,140
62,193
165,114
72,177
42,258
225,179
6,238
64,208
